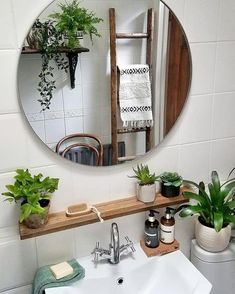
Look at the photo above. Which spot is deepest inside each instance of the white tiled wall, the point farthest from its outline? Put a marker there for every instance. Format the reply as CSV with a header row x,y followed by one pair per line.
x,y
203,139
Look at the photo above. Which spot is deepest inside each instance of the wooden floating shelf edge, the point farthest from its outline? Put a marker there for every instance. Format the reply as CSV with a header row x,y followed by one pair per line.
x,y
109,210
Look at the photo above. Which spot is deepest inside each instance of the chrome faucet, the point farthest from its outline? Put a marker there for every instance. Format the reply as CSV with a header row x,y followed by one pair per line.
x,y
115,250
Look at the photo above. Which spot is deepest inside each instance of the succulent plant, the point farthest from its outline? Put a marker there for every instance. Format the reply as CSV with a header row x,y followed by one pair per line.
x,y
143,175
171,179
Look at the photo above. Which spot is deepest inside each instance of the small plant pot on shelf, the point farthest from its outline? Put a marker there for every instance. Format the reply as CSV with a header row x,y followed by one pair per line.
x,y
35,220
146,193
209,239
170,191
74,42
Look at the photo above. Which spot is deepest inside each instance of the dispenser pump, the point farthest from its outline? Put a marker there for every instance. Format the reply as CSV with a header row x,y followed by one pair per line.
x,y
169,213
152,213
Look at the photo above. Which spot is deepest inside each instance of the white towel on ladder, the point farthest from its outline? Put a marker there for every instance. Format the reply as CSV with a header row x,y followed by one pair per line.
x,y
135,96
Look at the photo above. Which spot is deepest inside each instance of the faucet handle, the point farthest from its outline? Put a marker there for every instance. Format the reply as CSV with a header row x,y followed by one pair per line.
x,y
130,244
96,251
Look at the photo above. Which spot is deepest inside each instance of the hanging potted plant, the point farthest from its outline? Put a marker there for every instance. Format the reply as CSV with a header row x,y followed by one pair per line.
x,y
48,40
170,184
73,20
215,209
34,194
146,185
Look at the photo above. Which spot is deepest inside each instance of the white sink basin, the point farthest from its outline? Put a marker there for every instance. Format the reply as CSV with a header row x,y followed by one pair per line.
x,y
138,274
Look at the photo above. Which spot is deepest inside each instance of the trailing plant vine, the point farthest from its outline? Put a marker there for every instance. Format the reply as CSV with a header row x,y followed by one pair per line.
x,y
48,40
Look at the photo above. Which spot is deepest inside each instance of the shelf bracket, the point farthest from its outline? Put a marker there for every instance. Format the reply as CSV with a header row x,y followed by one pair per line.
x,y
73,61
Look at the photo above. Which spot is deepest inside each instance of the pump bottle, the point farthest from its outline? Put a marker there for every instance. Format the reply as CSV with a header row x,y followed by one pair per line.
x,y
151,232
167,225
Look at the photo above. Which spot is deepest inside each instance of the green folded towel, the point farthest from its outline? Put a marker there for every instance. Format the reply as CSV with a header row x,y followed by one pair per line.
x,y
44,277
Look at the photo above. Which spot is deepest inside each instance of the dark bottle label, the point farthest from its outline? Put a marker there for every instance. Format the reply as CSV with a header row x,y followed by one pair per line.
x,y
152,238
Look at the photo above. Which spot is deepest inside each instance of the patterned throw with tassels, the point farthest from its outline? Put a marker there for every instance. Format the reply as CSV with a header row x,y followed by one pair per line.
x,y
135,96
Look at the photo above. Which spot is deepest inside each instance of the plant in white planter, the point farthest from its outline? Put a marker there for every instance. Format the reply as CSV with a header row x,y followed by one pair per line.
x,y
216,210
146,185
34,194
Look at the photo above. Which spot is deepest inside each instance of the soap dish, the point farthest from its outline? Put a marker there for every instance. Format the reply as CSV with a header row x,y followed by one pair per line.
x,y
78,209
82,209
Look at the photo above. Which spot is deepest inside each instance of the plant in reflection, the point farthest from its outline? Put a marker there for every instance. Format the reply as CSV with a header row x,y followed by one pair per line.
x,y
73,19
45,37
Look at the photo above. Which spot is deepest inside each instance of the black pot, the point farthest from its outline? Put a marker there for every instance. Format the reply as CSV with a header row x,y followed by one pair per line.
x,y
170,191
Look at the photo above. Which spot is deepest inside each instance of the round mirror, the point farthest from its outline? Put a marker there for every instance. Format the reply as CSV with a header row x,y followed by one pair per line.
x,y
103,85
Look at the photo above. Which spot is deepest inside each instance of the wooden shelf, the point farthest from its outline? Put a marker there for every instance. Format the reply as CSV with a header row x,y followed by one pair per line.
x,y
27,50
72,55
109,210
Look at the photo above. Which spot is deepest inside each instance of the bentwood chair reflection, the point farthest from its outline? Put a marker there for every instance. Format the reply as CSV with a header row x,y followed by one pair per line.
x,y
81,152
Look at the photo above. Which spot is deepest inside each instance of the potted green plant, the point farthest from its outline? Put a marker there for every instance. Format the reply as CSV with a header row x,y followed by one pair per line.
x,y
170,184
48,40
73,19
146,185
34,194
215,209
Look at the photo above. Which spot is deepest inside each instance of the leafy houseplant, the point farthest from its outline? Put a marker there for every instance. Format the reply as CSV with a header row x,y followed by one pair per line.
x,y
34,193
146,186
47,39
74,18
170,184
216,210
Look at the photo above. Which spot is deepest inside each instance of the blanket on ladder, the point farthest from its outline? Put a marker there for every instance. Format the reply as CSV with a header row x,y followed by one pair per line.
x,y
135,96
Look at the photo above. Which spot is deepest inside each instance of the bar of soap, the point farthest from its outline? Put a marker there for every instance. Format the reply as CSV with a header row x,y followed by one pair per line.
x,y
61,270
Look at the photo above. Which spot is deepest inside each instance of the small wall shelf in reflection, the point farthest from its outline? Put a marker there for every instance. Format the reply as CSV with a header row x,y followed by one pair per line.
x,y
72,55
109,210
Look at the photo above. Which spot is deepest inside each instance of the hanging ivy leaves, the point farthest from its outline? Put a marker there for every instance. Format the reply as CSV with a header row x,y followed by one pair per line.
x,y
48,40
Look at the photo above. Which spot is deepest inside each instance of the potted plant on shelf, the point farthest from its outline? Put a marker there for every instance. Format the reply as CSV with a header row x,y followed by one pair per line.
x,y
34,194
215,209
146,185
48,40
170,184
73,20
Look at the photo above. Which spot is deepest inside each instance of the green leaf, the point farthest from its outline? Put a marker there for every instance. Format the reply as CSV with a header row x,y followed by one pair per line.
x,y
215,182
231,204
218,221
230,219
25,211
37,209
198,198
190,210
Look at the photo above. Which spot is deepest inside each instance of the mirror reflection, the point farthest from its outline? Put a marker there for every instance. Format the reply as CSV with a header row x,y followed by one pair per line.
x,y
107,87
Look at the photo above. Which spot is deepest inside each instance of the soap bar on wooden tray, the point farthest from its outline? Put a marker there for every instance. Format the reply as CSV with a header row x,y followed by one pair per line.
x,y
161,249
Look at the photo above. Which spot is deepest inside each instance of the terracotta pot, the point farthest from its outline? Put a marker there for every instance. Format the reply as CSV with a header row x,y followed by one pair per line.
x,y
209,239
146,193
169,191
35,221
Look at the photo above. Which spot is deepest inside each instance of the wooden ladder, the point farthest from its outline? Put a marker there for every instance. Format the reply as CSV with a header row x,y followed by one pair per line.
x,y
114,80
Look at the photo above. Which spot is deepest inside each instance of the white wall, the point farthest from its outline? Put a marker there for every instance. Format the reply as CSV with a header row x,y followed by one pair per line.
x,y
202,140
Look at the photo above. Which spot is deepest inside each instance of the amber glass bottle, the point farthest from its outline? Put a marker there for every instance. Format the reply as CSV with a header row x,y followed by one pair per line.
x,y
167,225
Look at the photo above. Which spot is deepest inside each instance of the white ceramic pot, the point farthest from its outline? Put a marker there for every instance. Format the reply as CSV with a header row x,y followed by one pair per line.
x,y
146,193
210,240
